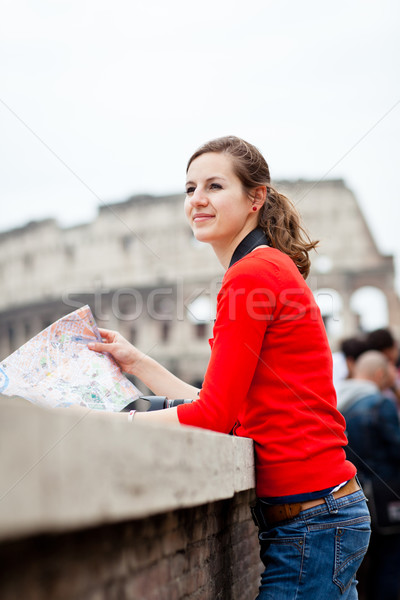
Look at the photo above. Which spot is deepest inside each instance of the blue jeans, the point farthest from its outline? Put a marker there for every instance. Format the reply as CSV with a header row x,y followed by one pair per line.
x,y
315,556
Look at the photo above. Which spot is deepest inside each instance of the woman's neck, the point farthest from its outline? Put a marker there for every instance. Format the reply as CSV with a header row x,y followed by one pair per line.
x,y
224,252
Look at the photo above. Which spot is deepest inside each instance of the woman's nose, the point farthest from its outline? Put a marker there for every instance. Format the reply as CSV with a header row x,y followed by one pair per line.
x,y
199,198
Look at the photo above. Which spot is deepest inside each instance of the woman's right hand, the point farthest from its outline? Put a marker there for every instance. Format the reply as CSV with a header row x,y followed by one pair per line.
x,y
125,354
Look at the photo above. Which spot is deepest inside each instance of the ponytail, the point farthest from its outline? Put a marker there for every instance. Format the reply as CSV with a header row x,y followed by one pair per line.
x,y
281,222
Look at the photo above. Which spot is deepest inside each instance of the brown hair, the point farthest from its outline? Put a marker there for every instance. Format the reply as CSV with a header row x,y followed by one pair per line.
x,y
278,218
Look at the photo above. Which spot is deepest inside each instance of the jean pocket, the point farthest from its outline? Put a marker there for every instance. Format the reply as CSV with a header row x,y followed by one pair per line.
x,y
282,553
351,544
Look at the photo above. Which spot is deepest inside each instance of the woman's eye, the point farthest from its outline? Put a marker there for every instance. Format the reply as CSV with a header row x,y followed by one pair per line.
x,y
216,186
190,190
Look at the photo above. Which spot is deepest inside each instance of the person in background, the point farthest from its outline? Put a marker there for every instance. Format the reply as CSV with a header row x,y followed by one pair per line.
x,y
373,431
352,348
269,377
343,361
383,341
362,381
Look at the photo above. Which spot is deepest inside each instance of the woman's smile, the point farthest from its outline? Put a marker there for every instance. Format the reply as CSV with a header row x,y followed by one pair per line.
x,y
201,217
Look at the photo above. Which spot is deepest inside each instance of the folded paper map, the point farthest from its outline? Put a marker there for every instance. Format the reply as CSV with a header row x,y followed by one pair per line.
x,y
56,368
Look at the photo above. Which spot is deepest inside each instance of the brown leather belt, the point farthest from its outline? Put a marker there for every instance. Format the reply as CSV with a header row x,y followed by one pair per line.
x,y
274,513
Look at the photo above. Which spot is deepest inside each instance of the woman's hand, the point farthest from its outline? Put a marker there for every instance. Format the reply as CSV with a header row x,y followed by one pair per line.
x,y
126,355
131,360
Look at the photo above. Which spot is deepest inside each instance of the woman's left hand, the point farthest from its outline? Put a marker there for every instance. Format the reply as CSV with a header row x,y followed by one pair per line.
x,y
126,355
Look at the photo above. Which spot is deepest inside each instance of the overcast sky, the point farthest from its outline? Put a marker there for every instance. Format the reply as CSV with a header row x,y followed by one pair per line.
x,y
102,100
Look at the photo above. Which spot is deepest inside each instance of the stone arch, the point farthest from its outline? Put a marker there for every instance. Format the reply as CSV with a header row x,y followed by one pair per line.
x,y
370,304
200,313
330,303
200,310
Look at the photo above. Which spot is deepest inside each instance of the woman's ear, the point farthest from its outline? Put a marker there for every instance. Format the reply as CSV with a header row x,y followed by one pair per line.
x,y
258,196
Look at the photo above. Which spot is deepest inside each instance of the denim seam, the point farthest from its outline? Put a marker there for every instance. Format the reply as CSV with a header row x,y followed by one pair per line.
x,y
350,559
343,565
293,541
334,524
298,542
303,553
322,508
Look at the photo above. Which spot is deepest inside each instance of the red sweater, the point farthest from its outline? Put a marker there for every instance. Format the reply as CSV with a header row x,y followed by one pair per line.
x,y
270,378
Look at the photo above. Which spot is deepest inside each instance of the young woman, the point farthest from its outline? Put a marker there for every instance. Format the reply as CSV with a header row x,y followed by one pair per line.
x,y
269,377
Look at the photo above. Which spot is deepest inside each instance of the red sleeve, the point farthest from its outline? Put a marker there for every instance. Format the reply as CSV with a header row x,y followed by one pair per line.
x,y
245,307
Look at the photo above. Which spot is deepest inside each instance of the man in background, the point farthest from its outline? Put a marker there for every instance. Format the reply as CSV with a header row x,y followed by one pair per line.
x,y
344,360
373,431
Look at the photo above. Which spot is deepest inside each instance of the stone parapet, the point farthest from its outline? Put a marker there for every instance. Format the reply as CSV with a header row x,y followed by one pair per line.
x,y
96,508
61,470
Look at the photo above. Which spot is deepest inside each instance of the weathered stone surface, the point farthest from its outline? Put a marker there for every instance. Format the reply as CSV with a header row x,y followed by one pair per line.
x,y
63,470
96,508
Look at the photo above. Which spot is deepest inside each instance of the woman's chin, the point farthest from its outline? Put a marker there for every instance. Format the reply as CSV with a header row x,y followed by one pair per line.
x,y
201,236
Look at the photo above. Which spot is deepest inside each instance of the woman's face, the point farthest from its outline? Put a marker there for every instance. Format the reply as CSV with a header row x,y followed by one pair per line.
x,y
217,207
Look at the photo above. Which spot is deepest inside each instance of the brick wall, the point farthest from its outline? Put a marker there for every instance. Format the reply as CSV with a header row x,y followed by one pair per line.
x,y
93,507
199,553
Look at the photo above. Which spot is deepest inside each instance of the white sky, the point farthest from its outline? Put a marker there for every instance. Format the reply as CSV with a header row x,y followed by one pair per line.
x,y
123,92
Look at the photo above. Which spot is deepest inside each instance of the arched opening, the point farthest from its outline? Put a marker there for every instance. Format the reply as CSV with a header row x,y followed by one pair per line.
x,y
200,312
331,306
370,305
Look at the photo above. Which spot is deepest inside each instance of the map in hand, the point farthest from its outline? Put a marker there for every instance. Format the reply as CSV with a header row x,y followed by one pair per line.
x,y
56,368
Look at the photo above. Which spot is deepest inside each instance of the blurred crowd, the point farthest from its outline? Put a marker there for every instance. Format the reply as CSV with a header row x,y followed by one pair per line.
x,y
366,374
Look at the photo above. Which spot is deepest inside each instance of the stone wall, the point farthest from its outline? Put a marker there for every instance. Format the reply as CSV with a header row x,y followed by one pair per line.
x,y
141,247
95,508
199,553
